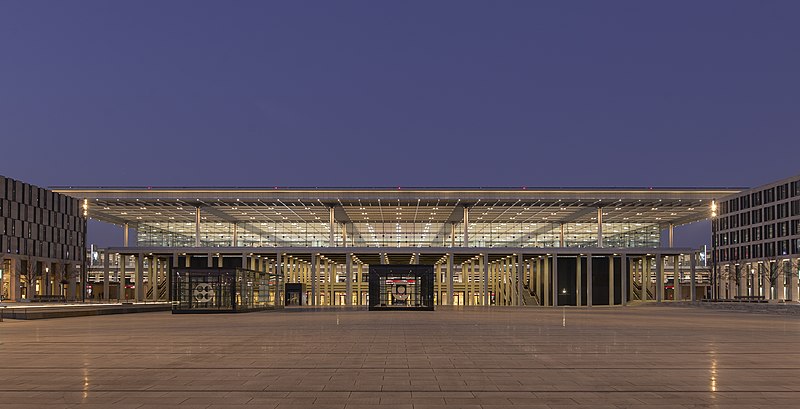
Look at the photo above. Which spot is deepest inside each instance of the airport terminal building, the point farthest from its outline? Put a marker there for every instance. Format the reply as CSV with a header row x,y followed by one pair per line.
x,y
487,246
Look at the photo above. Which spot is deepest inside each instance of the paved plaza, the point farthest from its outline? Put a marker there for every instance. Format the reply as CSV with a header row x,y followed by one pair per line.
x,y
633,357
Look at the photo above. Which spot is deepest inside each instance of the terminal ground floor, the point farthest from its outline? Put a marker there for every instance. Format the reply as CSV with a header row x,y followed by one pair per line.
x,y
463,276
471,276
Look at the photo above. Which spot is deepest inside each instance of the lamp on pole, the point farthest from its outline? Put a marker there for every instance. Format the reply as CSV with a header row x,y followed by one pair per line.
x,y
714,250
84,273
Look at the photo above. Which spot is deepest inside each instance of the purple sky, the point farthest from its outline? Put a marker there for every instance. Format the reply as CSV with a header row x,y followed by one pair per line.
x,y
427,93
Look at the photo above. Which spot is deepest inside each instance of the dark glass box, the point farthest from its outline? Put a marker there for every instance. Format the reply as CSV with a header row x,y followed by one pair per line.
x,y
401,287
211,290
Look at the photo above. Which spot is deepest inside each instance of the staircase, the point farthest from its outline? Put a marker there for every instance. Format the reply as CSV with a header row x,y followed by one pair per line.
x,y
162,291
637,292
529,297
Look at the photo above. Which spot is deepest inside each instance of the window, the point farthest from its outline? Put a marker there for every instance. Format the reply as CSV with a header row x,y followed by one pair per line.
x,y
744,202
756,216
769,213
783,210
756,198
756,233
744,219
783,229
782,191
769,231
769,195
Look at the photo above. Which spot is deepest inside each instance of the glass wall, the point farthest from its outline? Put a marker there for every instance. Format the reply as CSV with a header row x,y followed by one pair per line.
x,y
224,290
399,234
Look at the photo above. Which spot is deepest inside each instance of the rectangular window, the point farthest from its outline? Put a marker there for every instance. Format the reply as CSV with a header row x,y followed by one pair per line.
x,y
756,198
769,195
769,231
783,247
769,213
782,191
756,216
783,229
744,201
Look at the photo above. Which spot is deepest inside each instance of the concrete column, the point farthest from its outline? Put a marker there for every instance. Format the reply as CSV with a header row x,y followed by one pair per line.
x,y
555,280
220,260
670,234
331,224
561,236
154,266
676,278
578,284
121,277
187,260
437,283
546,288
485,268
793,280
235,235
766,284
599,227
645,277
624,277
780,285
659,278
470,283
693,276
279,298
330,270
466,227
611,280
139,277
344,234
360,279
349,279
106,275
755,281
452,234
520,269
501,280
197,226
450,278
741,289
314,278
539,282
589,286
125,230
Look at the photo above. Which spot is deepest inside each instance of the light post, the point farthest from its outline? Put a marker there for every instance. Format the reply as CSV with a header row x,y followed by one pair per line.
x,y
714,250
84,273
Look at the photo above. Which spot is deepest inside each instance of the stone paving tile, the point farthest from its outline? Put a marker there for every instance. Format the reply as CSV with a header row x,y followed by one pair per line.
x,y
634,357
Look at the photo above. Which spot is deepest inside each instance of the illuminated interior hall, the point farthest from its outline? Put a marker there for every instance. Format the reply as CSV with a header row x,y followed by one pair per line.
x,y
488,246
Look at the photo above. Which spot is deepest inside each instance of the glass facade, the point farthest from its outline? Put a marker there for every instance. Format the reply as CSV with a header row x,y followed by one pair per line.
x,y
224,290
401,287
399,234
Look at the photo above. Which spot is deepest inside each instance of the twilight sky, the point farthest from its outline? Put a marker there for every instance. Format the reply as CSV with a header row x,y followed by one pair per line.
x,y
413,93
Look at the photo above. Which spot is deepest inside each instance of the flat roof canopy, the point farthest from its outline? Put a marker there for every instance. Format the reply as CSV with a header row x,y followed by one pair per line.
x,y
135,205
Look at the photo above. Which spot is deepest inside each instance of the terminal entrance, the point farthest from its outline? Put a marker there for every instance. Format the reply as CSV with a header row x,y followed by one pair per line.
x,y
401,287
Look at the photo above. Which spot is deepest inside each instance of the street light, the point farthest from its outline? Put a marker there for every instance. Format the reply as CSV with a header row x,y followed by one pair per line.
x,y
714,250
